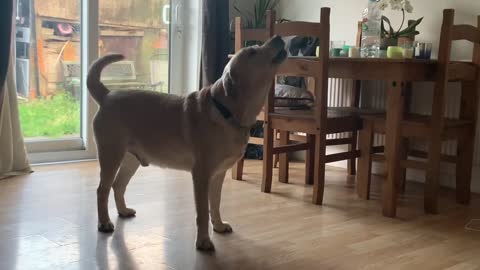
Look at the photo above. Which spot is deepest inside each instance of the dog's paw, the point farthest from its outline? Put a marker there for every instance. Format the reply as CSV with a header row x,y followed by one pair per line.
x,y
106,228
223,227
127,213
205,244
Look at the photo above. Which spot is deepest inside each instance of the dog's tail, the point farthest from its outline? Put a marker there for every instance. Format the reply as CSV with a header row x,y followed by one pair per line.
x,y
96,88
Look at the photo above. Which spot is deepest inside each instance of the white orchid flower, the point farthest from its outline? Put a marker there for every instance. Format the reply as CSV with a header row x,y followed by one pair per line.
x,y
383,4
396,4
408,6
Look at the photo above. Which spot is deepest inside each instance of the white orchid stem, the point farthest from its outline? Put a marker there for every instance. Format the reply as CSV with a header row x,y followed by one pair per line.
x,y
403,20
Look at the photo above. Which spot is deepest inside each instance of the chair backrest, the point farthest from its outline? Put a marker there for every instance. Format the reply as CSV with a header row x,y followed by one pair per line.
x,y
243,35
304,67
450,33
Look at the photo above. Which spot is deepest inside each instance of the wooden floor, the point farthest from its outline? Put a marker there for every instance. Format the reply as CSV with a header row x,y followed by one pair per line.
x,y
48,221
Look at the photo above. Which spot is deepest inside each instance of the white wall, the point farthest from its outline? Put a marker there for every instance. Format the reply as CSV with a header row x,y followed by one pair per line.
x,y
343,22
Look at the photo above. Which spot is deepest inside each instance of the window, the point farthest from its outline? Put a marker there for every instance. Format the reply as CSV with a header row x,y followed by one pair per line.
x,y
57,40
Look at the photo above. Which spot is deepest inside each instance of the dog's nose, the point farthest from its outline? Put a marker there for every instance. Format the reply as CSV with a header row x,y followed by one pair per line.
x,y
277,42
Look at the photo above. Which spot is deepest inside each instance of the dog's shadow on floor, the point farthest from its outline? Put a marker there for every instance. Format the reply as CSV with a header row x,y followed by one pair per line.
x,y
242,251
233,251
123,258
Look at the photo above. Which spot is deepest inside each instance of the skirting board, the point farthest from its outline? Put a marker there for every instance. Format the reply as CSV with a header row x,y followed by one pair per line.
x,y
447,176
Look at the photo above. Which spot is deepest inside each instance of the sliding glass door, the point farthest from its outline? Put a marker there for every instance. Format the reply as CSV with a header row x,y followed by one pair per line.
x,y
56,41
140,31
47,38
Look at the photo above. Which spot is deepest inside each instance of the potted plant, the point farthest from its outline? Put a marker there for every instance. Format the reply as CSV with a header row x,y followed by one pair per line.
x,y
389,36
257,18
254,18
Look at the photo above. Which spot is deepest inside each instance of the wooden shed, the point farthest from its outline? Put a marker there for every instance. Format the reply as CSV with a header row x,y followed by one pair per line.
x,y
133,28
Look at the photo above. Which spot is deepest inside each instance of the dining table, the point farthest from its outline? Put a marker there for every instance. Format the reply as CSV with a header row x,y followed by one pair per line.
x,y
398,74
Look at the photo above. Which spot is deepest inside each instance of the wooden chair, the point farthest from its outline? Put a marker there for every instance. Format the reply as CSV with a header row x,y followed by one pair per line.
x,y
284,138
436,128
242,36
318,122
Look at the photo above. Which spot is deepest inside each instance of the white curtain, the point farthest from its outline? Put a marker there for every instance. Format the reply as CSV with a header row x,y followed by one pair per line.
x,y
13,157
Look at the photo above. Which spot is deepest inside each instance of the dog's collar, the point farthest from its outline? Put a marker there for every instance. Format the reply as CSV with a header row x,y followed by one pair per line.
x,y
228,115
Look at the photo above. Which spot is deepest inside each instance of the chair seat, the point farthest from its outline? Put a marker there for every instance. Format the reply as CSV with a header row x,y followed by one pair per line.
x,y
338,120
358,111
333,113
308,114
417,125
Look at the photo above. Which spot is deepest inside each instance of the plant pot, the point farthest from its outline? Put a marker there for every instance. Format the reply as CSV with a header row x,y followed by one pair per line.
x,y
386,42
406,41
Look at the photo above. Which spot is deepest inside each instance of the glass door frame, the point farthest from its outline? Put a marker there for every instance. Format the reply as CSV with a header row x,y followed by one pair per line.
x,y
184,62
82,147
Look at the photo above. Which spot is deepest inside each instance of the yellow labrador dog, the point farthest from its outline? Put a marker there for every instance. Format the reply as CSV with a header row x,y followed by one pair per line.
x,y
204,133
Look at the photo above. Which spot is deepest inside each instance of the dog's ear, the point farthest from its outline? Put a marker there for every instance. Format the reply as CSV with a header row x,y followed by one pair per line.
x,y
228,84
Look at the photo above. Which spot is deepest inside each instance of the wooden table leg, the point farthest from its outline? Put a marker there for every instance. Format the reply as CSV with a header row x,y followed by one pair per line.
x,y
395,108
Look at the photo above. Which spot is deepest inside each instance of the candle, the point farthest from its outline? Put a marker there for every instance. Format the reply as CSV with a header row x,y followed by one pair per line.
x,y
353,52
336,47
336,52
394,52
408,53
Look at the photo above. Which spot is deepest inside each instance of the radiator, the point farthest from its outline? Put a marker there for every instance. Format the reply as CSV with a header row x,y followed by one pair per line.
x,y
340,92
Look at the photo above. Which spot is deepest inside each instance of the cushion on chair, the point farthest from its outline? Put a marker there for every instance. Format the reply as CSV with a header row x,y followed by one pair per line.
x,y
292,91
290,96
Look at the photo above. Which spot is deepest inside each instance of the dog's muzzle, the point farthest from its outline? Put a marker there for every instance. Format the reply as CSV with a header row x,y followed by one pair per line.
x,y
278,45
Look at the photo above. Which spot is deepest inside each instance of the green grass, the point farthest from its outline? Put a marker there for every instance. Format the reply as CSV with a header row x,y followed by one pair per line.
x,y
53,118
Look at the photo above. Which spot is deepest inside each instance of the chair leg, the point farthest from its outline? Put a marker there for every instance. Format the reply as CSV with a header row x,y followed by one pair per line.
x,y
310,160
319,169
433,175
402,178
267,158
276,158
465,152
365,161
237,170
466,142
352,163
283,158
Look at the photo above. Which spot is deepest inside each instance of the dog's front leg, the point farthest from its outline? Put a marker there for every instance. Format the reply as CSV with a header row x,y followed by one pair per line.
x,y
201,178
215,195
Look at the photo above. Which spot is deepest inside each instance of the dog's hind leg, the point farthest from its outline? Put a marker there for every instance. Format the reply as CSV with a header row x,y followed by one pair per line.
x,y
201,178
110,157
128,168
215,195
